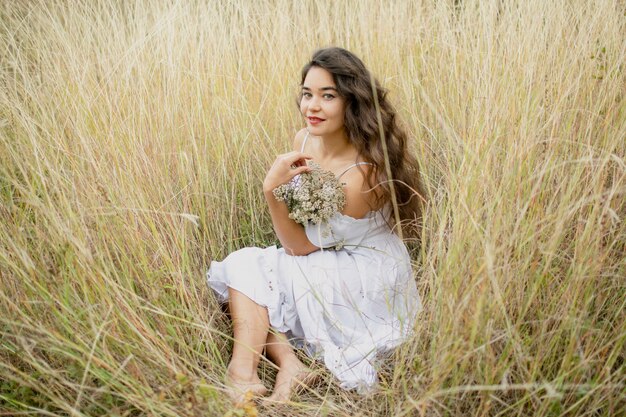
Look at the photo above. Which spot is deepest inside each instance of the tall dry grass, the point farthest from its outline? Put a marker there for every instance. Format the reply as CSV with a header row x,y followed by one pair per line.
x,y
120,122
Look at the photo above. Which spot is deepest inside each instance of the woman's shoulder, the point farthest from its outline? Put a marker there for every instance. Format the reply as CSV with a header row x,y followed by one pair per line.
x,y
361,198
298,139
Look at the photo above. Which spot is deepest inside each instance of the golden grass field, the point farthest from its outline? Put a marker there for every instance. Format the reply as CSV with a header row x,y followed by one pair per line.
x,y
134,137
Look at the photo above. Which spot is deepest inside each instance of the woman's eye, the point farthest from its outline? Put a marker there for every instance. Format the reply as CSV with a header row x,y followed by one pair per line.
x,y
308,95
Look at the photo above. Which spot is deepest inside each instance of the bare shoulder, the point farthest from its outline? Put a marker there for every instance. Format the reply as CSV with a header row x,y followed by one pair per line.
x,y
298,139
360,198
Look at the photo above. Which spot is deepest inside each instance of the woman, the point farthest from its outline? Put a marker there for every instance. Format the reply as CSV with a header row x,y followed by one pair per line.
x,y
345,306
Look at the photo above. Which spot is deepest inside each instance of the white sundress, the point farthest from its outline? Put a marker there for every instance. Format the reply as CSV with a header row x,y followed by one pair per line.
x,y
344,306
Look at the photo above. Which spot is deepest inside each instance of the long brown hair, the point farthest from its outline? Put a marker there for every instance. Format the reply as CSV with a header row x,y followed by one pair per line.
x,y
353,82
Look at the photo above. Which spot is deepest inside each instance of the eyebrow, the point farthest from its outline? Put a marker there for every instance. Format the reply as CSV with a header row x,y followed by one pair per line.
x,y
321,89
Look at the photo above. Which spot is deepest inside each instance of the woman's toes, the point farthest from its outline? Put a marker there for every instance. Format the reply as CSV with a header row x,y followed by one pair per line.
x,y
237,390
289,381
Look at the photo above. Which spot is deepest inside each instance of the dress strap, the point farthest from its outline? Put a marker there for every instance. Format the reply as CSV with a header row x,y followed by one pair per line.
x,y
304,141
354,165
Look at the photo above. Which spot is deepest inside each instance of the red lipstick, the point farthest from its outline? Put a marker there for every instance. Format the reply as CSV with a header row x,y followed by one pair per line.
x,y
314,120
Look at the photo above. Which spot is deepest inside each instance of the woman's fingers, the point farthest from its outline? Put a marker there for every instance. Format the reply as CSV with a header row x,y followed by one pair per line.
x,y
286,167
300,170
294,157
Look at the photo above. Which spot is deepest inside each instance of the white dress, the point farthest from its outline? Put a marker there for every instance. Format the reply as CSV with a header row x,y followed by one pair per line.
x,y
345,306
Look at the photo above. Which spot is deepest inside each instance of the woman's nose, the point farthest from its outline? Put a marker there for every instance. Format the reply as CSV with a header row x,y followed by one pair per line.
x,y
314,103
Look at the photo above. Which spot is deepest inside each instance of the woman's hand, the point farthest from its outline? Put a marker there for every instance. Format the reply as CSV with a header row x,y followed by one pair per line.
x,y
284,168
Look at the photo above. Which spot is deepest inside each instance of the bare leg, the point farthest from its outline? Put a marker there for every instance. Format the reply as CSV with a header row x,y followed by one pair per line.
x,y
291,371
278,349
250,328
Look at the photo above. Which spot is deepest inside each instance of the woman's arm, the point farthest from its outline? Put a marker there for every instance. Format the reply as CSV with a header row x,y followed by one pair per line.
x,y
291,234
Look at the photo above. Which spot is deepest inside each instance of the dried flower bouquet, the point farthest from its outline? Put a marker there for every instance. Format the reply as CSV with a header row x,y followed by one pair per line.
x,y
313,196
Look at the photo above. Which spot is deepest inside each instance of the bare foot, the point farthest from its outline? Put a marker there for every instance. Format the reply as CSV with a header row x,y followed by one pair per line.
x,y
289,378
239,385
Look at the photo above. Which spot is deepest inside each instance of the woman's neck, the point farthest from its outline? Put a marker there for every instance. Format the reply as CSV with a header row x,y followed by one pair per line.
x,y
335,146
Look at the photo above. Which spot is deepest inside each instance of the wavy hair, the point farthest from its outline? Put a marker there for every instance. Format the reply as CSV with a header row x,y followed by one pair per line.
x,y
353,82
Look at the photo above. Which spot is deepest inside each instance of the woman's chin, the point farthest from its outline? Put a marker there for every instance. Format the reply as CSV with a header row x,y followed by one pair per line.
x,y
314,130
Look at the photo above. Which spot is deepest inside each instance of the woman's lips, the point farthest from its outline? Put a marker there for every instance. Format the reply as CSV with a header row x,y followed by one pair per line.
x,y
315,120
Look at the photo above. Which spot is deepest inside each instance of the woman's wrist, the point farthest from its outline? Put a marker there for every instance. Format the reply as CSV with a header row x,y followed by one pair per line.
x,y
268,189
269,183
270,198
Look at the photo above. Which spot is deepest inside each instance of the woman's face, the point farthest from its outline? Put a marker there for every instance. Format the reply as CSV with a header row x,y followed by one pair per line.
x,y
321,105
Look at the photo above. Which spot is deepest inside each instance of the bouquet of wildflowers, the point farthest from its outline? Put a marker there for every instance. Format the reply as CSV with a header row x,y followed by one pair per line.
x,y
313,196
